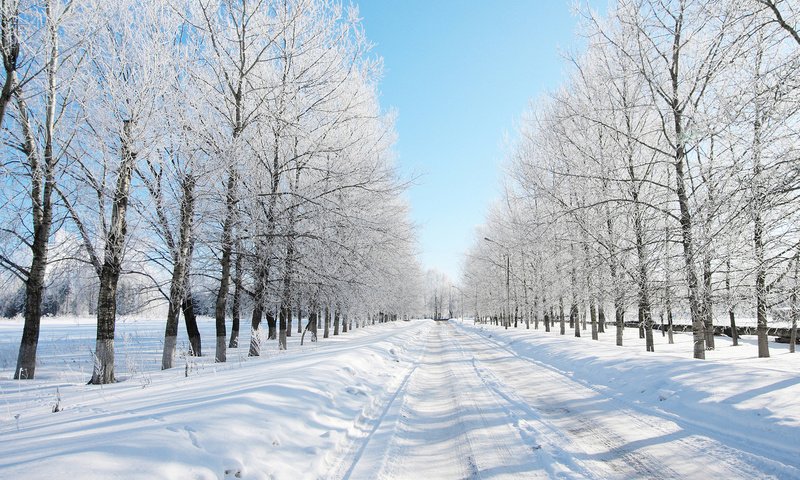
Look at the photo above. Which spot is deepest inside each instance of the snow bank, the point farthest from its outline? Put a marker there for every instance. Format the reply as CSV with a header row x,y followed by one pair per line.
x,y
285,416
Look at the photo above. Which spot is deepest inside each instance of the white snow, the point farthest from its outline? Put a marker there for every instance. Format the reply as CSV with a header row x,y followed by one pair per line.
x,y
402,400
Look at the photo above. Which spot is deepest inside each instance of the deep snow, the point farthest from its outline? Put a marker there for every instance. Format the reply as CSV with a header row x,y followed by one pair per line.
x,y
402,400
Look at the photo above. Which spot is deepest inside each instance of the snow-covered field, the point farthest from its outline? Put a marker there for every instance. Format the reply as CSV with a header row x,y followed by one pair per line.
x,y
402,400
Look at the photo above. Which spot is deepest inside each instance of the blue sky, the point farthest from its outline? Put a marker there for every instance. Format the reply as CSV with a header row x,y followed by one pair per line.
x,y
460,73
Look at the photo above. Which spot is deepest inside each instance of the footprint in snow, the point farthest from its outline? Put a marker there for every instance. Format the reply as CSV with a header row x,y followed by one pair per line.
x,y
354,391
190,432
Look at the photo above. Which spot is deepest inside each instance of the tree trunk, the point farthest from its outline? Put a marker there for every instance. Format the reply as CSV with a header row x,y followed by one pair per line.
x,y
731,313
289,321
336,320
34,288
583,316
11,78
601,316
176,295
679,161
794,305
299,319
641,321
667,285
326,331
593,315
42,186
171,330
272,325
311,326
761,289
562,322
698,334
344,322
220,306
548,318
734,333
525,311
178,283
112,266
670,336
284,315
646,322
190,319
236,308
708,307
103,371
613,269
574,320
313,321
645,316
757,200
255,329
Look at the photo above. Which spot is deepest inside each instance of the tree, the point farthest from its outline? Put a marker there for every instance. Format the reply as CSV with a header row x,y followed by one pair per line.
x,y
39,147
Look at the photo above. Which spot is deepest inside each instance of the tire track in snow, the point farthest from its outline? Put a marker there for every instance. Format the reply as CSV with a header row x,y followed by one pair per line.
x,y
595,427
543,439
374,416
452,426
429,439
616,460
502,449
442,422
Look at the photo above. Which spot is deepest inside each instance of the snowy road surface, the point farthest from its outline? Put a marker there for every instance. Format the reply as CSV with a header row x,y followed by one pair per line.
x,y
405,400
472,408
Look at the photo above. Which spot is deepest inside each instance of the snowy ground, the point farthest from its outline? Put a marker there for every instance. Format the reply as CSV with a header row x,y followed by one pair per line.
x,y
404,400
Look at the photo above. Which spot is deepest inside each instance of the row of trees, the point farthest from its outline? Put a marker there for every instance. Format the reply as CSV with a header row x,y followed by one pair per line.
x,y
231,149
662,177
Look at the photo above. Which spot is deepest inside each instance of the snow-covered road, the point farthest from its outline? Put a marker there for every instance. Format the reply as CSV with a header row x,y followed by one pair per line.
x,y
443,423
472,407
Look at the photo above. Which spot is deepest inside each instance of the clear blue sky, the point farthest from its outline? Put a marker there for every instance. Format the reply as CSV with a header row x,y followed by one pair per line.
x,y
460,73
